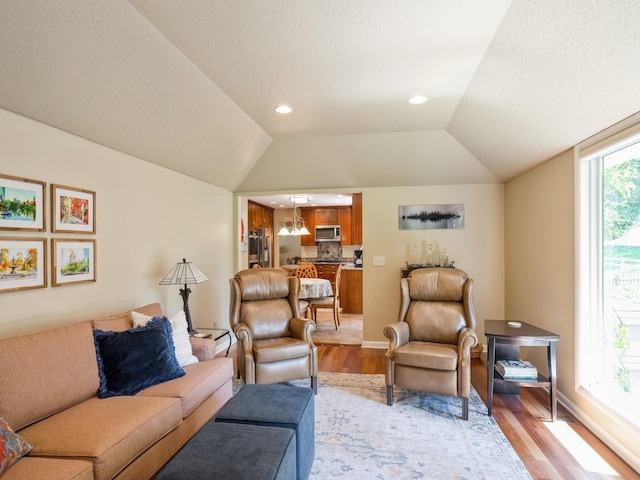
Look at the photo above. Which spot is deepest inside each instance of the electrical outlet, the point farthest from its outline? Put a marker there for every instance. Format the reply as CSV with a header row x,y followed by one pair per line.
x,y
215,325
378,261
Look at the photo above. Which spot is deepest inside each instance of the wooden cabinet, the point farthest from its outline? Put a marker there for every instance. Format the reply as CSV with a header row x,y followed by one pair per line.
x,y
259,215
309,216
327,216
349,219
351,291
346,225
356,217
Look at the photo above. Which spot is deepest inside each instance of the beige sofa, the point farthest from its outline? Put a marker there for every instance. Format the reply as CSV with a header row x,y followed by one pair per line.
x,y
48,394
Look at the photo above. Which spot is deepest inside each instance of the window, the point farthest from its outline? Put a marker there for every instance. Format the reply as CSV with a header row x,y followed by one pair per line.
x,y
609,272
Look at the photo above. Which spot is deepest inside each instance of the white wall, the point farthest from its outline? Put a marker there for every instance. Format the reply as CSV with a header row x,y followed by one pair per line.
x,y
148,218
478,249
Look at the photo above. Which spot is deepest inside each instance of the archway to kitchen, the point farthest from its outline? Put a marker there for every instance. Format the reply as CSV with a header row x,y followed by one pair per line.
x,y
322,210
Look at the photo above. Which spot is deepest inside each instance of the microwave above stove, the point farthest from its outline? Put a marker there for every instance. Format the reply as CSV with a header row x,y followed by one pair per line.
x,y
327,233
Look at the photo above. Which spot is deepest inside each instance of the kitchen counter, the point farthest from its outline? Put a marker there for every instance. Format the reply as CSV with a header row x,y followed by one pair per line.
x,y
345,266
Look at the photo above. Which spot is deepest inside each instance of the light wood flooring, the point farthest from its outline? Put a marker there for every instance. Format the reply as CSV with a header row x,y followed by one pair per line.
x,y
572,452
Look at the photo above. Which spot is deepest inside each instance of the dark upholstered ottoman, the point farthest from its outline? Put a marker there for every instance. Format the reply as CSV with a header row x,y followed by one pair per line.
x,y
277,406
229,451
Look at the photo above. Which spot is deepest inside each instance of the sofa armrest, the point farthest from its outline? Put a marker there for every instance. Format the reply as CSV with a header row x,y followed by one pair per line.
x,y
203,348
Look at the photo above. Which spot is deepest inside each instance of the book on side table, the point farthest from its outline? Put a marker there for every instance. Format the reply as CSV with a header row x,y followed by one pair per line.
x,y
516,369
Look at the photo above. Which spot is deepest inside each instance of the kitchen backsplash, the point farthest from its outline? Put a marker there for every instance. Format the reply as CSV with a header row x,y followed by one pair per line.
x,y
329,250
336,252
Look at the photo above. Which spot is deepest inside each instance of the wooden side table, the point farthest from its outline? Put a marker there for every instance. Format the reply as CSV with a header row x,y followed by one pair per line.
x,y
504,339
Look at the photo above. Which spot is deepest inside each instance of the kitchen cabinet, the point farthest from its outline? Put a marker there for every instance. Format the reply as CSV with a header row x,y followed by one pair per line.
x,y
349,219
259,216
356,217
351,291
327,216
346,224
309,216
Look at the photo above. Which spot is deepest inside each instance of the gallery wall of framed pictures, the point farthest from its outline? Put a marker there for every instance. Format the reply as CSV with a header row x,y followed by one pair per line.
x,y
25,259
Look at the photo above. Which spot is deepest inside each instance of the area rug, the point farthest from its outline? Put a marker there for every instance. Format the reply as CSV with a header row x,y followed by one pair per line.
x,y
422,436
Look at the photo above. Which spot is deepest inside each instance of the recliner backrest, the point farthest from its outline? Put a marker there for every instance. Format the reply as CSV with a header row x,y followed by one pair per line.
x,y
438,304
265,300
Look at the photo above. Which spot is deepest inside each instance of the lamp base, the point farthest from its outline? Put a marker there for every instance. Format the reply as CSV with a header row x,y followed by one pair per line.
x,y
184,292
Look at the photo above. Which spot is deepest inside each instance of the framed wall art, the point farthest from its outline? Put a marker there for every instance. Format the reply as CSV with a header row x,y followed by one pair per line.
x,y
22,204
23,263
73,210
429,217
74,261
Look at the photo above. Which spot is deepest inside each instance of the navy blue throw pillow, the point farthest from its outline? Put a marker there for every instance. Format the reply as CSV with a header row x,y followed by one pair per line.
x,y
135,359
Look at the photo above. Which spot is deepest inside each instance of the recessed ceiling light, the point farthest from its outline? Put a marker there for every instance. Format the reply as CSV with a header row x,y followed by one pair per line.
x,y
284,109
418,99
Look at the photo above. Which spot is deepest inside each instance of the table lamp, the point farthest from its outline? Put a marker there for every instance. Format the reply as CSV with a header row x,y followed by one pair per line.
x,y
185,273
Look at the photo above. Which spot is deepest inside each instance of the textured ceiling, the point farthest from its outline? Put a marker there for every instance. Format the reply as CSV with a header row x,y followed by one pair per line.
x,y
191,85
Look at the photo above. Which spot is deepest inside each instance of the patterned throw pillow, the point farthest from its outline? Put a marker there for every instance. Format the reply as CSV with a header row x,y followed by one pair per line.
x,y
12,446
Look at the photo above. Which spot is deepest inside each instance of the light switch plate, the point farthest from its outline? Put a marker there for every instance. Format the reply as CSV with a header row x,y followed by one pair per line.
x,y
378,261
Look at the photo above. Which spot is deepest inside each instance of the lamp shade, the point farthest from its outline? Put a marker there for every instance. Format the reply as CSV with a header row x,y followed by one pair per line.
x,y
184,273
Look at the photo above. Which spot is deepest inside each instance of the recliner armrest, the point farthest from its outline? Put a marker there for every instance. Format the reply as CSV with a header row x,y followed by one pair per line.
x,y
466,339
398,334
302,328
243,334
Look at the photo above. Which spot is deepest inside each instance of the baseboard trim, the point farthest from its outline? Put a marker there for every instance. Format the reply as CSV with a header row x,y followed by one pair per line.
x,y
379,345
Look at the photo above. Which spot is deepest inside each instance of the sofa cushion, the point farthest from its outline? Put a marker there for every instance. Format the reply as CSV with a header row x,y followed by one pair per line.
x,y
201,380
45,372
40,468
12,446
179,334
110,432
135,359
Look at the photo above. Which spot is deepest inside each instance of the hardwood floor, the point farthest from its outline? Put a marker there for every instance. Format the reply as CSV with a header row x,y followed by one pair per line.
x,y
550,450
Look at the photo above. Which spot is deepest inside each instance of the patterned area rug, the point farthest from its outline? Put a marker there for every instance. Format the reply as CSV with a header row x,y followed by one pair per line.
x,y
421,437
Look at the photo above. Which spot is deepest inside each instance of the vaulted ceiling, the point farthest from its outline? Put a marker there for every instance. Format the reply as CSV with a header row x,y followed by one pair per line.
x,y
192,84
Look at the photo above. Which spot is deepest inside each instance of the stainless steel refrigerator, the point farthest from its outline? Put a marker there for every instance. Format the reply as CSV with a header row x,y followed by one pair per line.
x,y
261,247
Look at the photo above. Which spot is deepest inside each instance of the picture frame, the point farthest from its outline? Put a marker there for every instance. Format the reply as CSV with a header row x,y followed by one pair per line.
x,y
73,210
23,263
73,261
431,217
22,204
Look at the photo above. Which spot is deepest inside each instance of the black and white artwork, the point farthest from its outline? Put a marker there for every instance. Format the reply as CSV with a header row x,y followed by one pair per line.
x,y
431,217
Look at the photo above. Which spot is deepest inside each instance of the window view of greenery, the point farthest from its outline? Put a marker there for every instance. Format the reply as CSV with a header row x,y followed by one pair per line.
x,y
621,273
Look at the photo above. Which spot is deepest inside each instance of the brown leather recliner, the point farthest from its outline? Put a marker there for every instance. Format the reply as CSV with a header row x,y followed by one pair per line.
x,y
274,344
429,347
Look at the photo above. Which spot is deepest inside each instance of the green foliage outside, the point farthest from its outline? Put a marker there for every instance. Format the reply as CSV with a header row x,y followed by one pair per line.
x,y
621,199
624,379
621,336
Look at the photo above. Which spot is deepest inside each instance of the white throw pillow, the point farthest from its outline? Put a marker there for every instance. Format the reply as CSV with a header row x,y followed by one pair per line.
x,y
180,335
